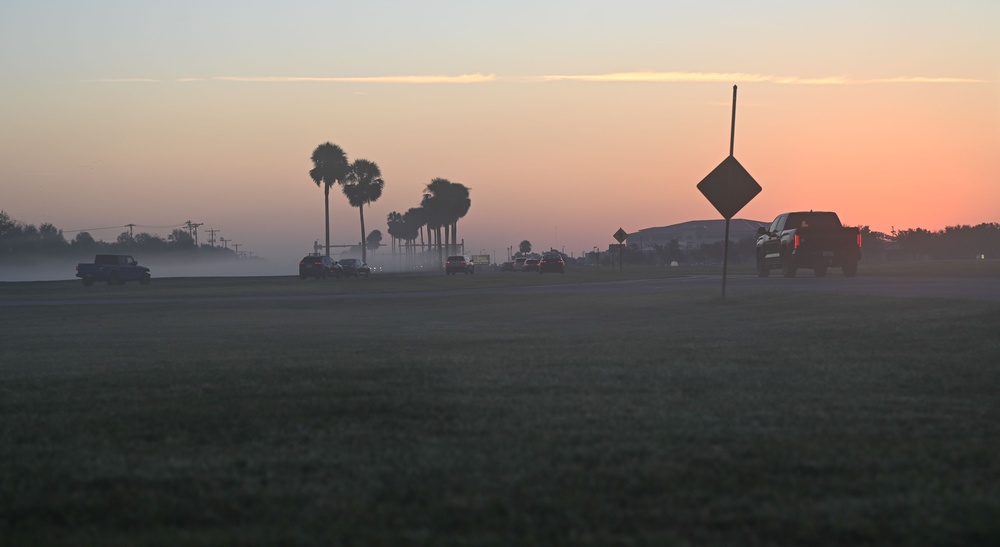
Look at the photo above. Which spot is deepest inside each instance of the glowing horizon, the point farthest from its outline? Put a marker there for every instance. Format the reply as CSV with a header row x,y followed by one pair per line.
x,y
566,125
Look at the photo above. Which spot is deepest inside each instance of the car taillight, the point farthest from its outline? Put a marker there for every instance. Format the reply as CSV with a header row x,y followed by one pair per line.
x,y
795,244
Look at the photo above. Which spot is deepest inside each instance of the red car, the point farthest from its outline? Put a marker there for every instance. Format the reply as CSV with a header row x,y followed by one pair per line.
x,y
552,263
459,263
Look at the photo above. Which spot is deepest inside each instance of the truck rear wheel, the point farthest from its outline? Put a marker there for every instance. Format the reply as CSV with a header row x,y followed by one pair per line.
x,y
820,271
88,281
113,279
762,269
788,263
850,268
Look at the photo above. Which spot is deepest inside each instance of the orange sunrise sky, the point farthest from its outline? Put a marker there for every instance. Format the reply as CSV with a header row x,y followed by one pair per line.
x,y
566,119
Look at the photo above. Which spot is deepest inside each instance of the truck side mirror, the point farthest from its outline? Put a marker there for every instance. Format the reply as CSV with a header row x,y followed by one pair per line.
x,y
761,230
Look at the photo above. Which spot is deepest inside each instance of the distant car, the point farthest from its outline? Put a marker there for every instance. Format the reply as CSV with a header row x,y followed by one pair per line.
x,y
355,267
459,264
319,267
114,269
531,265
552,263
507,267
519,263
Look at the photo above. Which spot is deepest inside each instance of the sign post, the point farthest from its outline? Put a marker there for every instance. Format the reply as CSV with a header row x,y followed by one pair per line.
x,y
729,187
621,235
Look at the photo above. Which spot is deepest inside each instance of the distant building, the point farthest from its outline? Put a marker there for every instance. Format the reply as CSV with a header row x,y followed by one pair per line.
x,y
692,235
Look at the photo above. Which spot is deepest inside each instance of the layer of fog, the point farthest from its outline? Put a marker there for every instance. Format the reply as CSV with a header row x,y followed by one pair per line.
x,y
50,269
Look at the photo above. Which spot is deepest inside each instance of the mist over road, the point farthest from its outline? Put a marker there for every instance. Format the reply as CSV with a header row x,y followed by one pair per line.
x,y
985,289
980,288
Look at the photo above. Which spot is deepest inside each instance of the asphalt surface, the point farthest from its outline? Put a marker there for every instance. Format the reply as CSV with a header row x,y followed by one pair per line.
x,y
964,288
984,289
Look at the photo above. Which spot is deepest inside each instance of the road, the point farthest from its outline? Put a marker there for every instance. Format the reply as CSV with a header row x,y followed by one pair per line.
x,y
984,289
964,288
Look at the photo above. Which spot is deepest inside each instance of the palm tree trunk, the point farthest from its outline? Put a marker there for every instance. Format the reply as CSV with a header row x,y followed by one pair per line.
x,y
440,248
326,194
364,247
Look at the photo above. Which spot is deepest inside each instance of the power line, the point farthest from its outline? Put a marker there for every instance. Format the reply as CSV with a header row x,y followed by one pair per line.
x,y
94,229
182,224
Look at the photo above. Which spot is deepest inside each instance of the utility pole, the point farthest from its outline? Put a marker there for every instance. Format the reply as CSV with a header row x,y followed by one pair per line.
x,y
237,247
193,230
211,237
225,242
130,226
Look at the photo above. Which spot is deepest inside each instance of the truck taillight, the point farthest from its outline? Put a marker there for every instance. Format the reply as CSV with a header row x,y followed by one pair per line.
x,y
859,241
795,244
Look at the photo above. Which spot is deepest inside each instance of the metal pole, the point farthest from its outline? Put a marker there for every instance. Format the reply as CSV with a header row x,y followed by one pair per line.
x,y
725,259
732,129
725,242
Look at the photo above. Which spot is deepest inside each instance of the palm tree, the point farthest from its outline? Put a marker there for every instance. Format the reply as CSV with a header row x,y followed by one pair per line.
x,y
362,186
374,240
329,168
458,205
436,206
394,225
447,201
414,220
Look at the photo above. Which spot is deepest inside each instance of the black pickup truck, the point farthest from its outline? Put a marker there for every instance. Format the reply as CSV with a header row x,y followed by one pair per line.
x,y
114,269
808,239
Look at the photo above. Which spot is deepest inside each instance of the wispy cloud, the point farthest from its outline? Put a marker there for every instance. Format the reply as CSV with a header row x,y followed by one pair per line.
x,y
924,80
640,77
123,80
413,79
741,77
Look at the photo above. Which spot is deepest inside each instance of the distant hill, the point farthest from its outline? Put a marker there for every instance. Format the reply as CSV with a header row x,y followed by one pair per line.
x,y
691,235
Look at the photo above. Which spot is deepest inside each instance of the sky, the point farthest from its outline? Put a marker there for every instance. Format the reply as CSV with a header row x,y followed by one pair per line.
x,y
567,119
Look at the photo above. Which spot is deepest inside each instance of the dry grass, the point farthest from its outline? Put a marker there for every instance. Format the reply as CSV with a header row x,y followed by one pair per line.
x,y
458,418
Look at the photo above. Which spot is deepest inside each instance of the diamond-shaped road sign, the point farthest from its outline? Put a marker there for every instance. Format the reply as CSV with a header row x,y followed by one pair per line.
x,y
621,235
729,187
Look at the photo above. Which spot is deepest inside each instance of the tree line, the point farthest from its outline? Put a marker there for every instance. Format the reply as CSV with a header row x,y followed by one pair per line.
x,y
19,239
442,205
952,243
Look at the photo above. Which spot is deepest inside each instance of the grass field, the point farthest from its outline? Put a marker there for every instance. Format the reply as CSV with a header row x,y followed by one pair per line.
x,y
427,415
